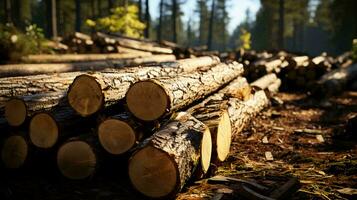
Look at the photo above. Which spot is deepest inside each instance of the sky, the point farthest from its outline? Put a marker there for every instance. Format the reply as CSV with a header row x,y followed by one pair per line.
x,y
236,10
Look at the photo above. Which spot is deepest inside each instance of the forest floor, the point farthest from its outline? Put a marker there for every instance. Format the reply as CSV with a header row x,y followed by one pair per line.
x,y
306,138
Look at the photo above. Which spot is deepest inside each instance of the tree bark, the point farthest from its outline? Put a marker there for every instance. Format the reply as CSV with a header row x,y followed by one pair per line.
x,y
90,93
153,99
281,24
54,19
174,20
164,162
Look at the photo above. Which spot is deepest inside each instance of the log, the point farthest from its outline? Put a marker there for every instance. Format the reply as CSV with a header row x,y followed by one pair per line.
x,y
213,112
49,128
17,110
153,99
91,92
28,85
78,158
65,58
136,44
336,81
14,151
166,161
119,133
35,69
264,82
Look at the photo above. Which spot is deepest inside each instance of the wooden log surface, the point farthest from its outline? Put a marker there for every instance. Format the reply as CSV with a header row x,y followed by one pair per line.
x,y
47,68
91,92
152,99
265,81
336,81
165,161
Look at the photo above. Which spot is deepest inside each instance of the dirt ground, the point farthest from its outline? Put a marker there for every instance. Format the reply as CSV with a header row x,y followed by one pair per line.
x,y
306,138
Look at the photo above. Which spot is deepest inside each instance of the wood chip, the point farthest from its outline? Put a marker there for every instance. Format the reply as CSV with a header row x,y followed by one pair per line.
x,y
269,156
265,140
320,138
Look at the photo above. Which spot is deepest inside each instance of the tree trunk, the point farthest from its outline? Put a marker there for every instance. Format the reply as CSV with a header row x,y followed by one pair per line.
x,y
147,19
54,19
211,23
78,16
7,11
91,92
335,81
159,30
281,24
152,99
140,6
168,159
119,133
110,5
174,20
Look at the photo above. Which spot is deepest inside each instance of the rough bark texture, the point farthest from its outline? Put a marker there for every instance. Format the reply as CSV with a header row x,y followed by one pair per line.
x,y
114,85
336,81
181,140
27,85
105,63
241,112
185,89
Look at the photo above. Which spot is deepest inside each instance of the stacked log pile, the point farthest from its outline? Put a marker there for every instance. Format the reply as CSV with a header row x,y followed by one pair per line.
x,y
181,114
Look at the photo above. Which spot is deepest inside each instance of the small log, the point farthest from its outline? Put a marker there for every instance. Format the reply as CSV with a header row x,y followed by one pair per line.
x,y
48,128
152,99
165,161
91,92
119,133
17,110
14,151
77,158
264,82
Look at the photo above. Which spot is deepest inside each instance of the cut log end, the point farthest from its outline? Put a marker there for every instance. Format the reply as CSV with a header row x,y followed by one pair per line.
x,y
14,152
224,134
153,172
76,160
116,136
43,130
147,100
206,150
15,112
85,95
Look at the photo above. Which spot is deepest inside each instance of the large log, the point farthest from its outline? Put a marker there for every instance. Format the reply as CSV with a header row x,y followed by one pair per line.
x,y
152,99
15,151
213,112
336,81
34,69
164,162
91,92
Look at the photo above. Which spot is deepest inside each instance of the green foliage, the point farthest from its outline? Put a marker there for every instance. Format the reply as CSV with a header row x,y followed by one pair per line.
x,y
15,44
354,50
245,39
122,20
